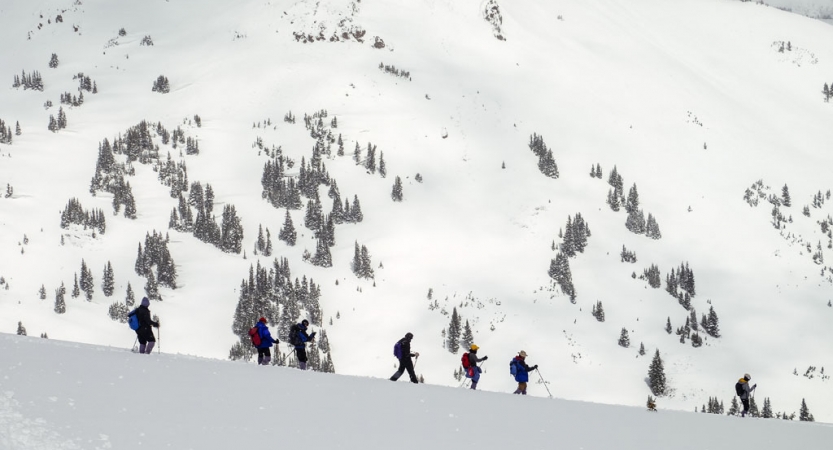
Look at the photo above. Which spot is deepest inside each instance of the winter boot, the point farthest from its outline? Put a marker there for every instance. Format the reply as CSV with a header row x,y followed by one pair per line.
x,y
260,360
302,365
266,360
473,385
141,348
149,348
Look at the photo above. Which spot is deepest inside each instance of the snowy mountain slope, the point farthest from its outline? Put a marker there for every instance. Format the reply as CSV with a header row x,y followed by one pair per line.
x,y
642,85
62,395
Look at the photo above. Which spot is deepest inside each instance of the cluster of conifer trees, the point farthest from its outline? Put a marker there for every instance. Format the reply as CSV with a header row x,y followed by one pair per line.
x,y
546,162
679,283
85,83
75,213
72,100
161,85
156,253
362,265
636,221
29,81
272,294
458,336
394,71
57,124
6,132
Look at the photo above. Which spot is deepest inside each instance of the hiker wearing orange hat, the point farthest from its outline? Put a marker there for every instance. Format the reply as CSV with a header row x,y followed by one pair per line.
x,y
520,370
469,362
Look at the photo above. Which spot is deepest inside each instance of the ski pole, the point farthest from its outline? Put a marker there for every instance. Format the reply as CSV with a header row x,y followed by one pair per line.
x,y
544,382
416,360
159,348
134,343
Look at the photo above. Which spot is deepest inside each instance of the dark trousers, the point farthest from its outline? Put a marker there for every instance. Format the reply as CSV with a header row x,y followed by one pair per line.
x,y
301,354
145,335
745,402
405,364
264,355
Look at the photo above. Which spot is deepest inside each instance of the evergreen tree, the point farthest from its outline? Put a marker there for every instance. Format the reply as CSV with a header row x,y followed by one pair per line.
x,y
467,338
636,222
268,250
231,231
396,193
366,265
652,228
598,311
287,233
382,169
560,272
42,292
87,284
76,291
733,407
107,282
804,413
60,304
21,330
152,288
453,337
656,376
129,299
766,412
624,340
632,204
753,408
785,196
712,324
356,211
322,257
641,349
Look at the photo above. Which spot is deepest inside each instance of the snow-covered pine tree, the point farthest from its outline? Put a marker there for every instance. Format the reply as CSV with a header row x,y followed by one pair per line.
x,y
656,376
467,338
129,299
87,284
396,193
804,413
652,228
152,288
288,233
21,330
632,205
766,412
107,280
42,292
76,291
453,336
598,311
713,326
382,169
641,349
786,200
60,303
624,340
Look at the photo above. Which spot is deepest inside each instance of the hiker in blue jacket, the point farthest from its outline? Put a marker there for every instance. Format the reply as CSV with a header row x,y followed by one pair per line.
x,y
298,337
144,333
402,351
264,355
521,371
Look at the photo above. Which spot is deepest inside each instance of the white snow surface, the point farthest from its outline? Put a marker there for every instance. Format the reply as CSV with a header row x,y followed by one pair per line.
x,y
61,395
689,99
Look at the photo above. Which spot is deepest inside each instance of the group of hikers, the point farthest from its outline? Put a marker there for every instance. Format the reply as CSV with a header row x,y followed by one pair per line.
x,y
140,320
517,367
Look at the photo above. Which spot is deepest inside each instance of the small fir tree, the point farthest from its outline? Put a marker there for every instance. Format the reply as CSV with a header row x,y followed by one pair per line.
x,y
656,376
624,340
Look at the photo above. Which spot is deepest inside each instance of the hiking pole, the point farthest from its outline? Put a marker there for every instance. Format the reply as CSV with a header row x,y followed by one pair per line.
x,y
134,343
416,360
160,340
544,382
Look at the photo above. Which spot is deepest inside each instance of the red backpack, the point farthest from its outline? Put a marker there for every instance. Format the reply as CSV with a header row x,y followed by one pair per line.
x,y
255,335
465,361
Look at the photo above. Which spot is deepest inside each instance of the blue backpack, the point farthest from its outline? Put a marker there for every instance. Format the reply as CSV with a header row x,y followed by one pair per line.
x,y
133,320
397,350
513,367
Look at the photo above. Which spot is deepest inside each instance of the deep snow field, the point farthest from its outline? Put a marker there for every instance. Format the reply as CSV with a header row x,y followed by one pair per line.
x,y
689,99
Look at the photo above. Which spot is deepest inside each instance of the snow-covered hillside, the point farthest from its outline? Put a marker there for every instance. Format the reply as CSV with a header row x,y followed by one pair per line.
x,y
692,101
59,395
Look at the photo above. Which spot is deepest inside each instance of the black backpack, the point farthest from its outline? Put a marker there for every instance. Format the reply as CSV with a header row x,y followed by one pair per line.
x,y
294,338
739,388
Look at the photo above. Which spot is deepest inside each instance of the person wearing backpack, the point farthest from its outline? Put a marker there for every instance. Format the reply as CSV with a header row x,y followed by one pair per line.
x,y
743,390
144,333
264,342
402,351
298,337
470,361
520,370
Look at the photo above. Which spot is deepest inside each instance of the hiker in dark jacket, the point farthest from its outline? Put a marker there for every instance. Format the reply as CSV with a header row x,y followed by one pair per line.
x,y
522,372
144,333
474,371
405,356
264,355
299,338
745,391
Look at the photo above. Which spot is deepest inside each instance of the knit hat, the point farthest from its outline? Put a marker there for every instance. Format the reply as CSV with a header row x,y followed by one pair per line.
x,y
747,376
522,354
262,319
409,336
474,348
145,302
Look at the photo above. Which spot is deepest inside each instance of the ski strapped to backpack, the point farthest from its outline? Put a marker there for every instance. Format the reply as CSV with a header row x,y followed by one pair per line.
x,y
133,320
